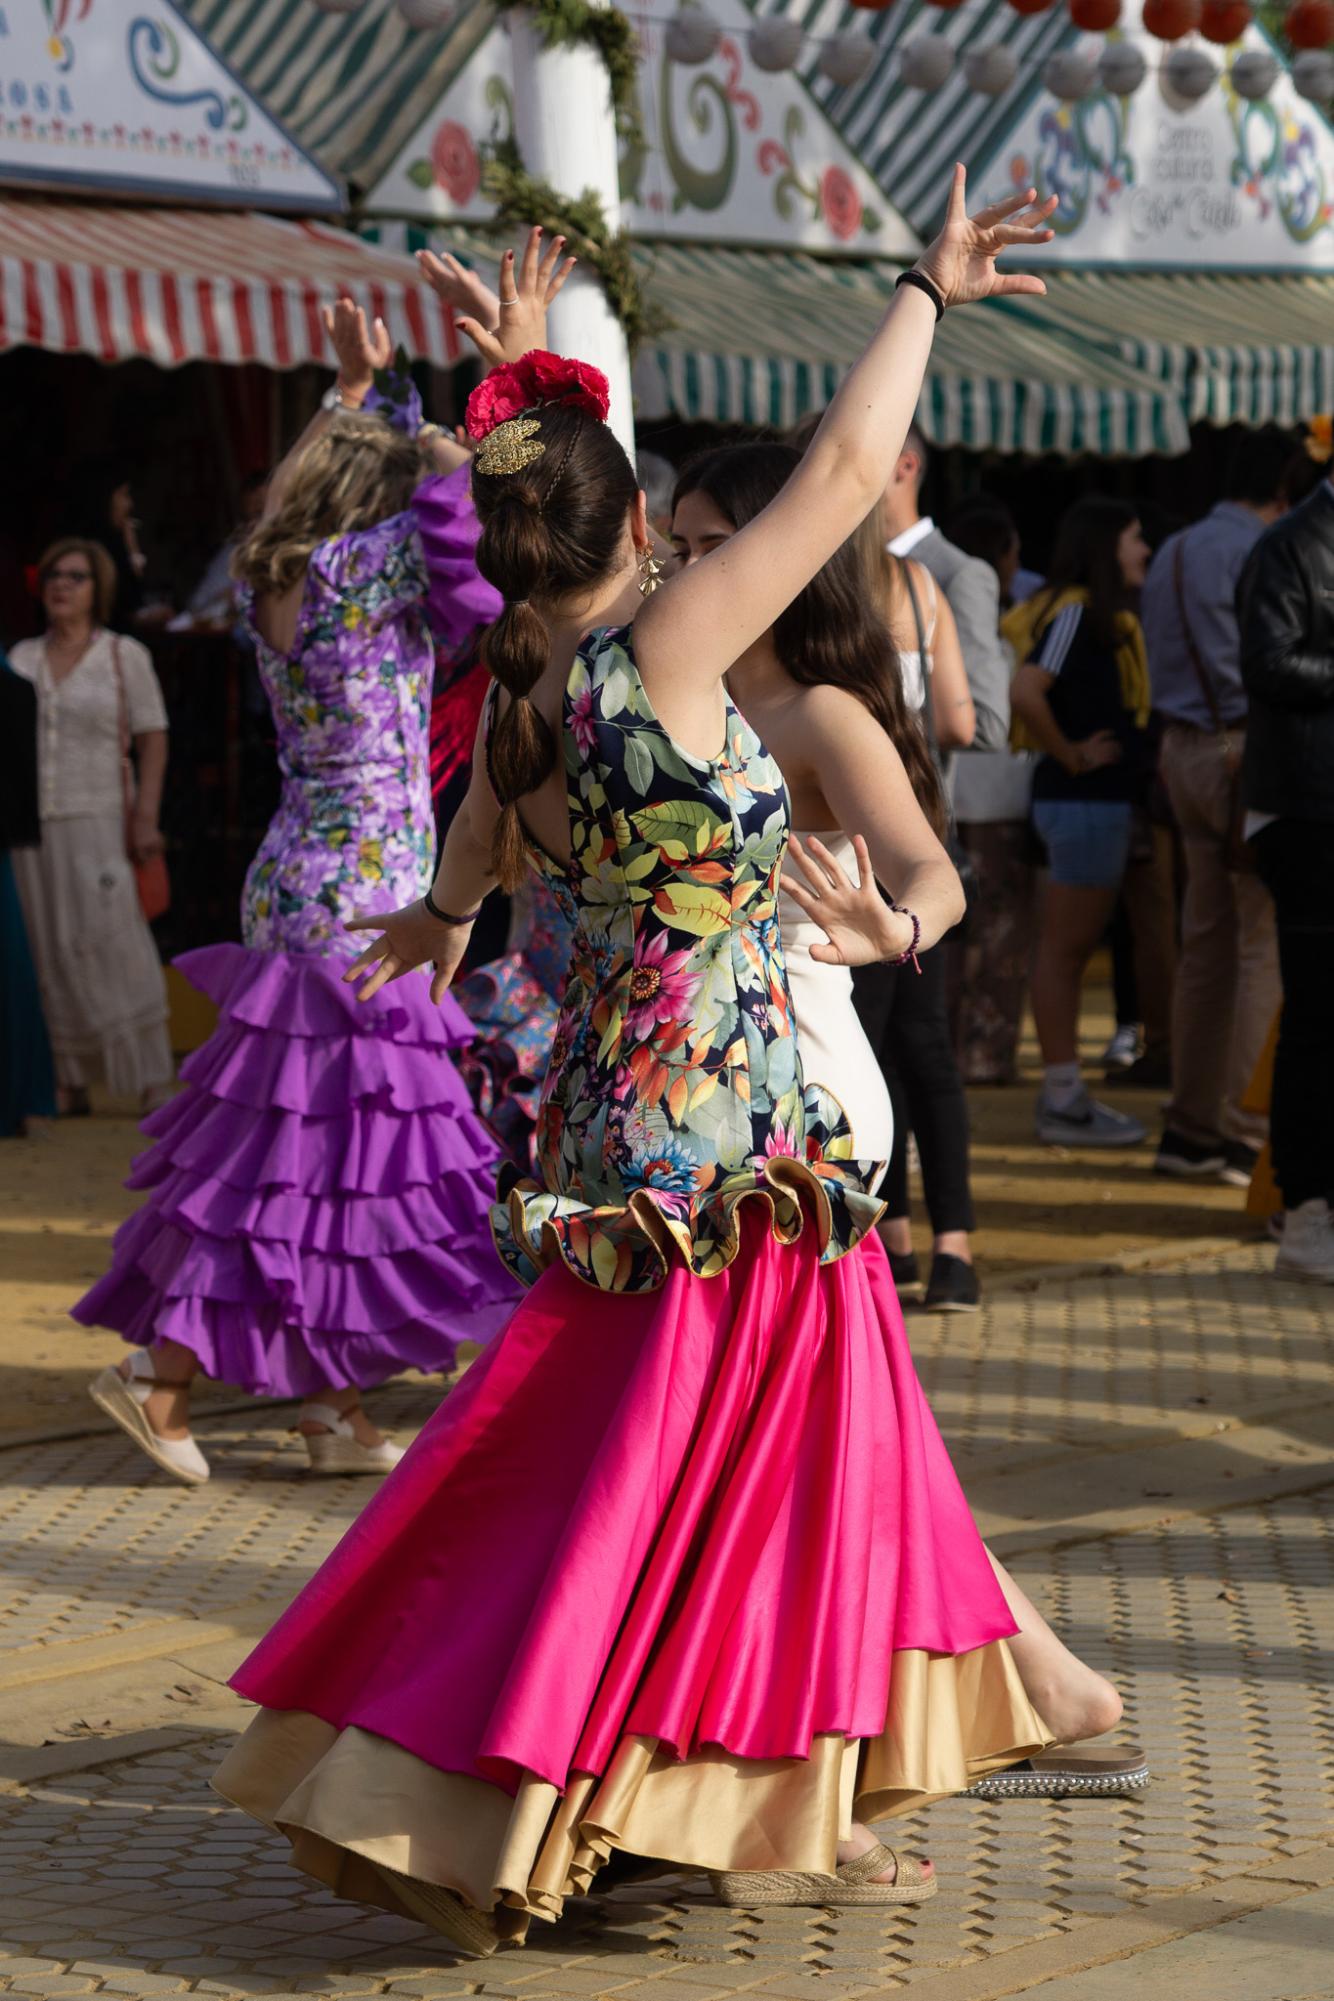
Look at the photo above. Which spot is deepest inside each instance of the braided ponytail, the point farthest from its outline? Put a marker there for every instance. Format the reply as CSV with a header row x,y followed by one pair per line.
x,y
536,553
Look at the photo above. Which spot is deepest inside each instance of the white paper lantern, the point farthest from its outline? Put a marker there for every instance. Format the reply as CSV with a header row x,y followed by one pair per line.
x,y
1254,74
1313,75
692,36
1070,75
1188,75
1121,69
925,62
991,71
775,44
845,59
426,13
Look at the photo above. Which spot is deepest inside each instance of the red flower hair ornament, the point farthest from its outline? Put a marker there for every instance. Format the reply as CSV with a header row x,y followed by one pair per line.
x,y
521,386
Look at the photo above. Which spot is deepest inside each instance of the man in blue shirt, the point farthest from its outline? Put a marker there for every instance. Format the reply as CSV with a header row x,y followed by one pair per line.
x,y
1227,984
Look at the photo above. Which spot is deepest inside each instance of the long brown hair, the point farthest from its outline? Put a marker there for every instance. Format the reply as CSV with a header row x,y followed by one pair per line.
x,y
550,529
834,633
358,471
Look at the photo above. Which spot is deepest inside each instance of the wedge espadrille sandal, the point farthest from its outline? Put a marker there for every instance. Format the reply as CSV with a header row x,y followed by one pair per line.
x,y
1070,1771
466,1927
851,1884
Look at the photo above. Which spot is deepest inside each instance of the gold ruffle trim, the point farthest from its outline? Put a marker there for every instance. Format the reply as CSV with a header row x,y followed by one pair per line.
x,y
350,1802
632,1248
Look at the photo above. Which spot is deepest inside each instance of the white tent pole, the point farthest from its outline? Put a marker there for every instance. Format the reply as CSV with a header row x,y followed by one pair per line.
x,y
566,135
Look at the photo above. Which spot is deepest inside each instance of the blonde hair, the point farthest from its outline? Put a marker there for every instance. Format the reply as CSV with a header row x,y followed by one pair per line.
x,y
99,562
356,472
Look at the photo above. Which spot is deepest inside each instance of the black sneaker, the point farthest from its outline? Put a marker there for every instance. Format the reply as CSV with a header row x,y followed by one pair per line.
x,y
1239,1159
904,1270
953,1286
1150,1072
1188,1159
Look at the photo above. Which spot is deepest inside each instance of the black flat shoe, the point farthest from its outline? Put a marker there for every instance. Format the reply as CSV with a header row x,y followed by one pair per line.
x,y
953,1286
904,1269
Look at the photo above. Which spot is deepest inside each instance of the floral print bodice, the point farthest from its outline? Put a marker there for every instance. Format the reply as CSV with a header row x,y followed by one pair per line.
x,y
353,832
675,1088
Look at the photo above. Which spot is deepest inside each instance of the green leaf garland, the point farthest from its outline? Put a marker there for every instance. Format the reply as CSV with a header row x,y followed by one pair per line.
x,y
521,199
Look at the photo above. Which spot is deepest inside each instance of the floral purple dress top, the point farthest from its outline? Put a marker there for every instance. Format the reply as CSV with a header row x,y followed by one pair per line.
x,y
351,701
675,1088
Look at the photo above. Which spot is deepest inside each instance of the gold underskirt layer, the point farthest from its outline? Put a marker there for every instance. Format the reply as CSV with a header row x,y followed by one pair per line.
x,y
350,1802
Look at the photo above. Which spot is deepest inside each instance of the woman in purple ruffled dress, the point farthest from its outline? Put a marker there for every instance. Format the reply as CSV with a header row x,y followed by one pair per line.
x,y
318,1209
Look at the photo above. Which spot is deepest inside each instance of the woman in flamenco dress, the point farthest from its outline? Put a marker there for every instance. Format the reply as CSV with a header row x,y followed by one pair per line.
x,y
681,1568
317,1216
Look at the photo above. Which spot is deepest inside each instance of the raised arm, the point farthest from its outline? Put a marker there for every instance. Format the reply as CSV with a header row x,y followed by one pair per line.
x,y
690,633
360,350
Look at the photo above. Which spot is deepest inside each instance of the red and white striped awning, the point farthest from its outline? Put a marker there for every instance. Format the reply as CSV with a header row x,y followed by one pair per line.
x,y
174,285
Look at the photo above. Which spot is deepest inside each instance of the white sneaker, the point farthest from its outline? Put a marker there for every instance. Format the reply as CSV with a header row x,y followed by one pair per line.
x,y
124,1403
337,1449
1307,1250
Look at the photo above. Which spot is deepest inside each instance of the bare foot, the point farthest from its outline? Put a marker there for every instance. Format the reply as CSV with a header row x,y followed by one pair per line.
x,y
860,1840
167,1407
1077,1704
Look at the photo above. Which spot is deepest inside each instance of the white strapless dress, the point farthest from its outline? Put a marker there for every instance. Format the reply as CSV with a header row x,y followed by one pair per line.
x,y
834,1048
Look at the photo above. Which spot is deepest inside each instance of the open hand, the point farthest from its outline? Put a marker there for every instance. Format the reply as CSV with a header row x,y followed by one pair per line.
x,y
360,350
463,290
521,310
408,938
859,926
961,263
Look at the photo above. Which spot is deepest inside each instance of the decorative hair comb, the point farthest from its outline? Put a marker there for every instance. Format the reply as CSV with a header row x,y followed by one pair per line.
x,y
393,394
521,387
510,447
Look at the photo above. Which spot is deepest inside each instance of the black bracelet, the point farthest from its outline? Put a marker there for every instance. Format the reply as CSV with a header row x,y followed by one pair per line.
x,y
923,284
446,916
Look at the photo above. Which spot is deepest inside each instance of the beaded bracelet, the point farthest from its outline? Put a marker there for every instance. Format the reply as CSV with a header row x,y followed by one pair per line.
x,y
909,957
446,916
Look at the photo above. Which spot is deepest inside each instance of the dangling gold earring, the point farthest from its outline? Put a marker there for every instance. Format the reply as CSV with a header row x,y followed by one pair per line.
x,y
650,573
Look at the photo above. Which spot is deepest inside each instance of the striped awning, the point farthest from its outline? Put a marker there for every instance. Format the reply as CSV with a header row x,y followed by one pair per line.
x,y
999,380
1235,348
174,285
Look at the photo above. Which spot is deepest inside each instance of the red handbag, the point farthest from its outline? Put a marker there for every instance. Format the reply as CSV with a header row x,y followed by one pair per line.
x,y
150,877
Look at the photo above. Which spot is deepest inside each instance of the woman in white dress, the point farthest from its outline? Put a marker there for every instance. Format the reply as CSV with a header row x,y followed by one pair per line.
x,y
97,966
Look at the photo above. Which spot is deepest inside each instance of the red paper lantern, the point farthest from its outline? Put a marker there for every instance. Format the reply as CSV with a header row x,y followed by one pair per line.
x,y
1169,20
1097,16
1310,24
1030,6
1225,21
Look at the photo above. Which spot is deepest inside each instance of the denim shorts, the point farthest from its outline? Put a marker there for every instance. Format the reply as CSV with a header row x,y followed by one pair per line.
x,y
1087,840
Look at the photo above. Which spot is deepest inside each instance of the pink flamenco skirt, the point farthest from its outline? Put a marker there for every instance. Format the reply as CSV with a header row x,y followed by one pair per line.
x,y
686,1573
318,1197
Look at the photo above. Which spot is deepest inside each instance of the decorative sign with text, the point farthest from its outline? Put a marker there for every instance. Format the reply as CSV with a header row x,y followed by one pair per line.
x,y
732,154
126,96
1221,184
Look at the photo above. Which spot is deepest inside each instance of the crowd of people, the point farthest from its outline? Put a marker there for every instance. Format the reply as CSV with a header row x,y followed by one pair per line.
x,y
741,782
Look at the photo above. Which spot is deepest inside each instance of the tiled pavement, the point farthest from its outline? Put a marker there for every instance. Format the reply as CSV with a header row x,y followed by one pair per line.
x,y
1217,1621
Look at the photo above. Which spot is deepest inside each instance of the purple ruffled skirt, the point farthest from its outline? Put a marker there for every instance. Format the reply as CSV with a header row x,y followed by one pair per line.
x,y
318,1214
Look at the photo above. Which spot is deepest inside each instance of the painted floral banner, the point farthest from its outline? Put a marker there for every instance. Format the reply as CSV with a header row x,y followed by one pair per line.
x,y
731,154
1221,184
125,94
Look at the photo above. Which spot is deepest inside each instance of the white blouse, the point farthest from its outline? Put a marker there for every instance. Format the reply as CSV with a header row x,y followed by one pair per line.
x,y
79,747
